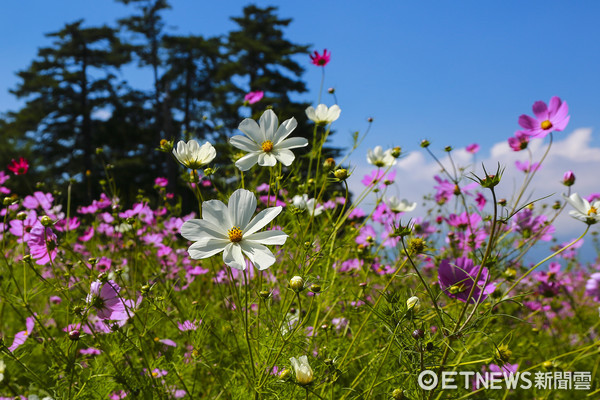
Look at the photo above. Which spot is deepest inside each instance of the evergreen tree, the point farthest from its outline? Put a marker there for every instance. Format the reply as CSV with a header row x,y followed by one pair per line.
x,y
66,88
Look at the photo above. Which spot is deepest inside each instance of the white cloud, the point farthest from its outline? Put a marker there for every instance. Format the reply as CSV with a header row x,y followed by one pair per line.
x,y
571,151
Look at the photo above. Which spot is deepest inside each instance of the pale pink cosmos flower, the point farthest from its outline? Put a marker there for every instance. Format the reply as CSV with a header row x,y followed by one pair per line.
x,y
472,148
104,297
22,336
548,118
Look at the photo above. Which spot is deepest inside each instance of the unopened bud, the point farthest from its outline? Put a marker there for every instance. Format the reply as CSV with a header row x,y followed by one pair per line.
x,y
46,221
74,335
425,143
413,303
21,216
315,288
297,284
331,90
329,164
341,174
396,151
568,178
285,374
418,334
398,394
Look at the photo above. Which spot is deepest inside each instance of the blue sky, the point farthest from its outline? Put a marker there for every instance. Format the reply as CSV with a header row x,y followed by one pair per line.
x,y
455,72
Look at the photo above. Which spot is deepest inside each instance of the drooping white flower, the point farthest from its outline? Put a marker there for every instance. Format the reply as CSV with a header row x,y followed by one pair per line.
x,y
414,303
380,158
583,210
192,155
399,206
2,369
323,115
266,141
304,203
304,373
232,230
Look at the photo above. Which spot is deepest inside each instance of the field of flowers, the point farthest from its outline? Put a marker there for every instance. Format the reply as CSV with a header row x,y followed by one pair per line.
x,y
288,286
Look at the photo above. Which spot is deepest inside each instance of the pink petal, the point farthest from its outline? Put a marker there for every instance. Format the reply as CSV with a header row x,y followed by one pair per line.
x,y
527,122
540,110
554,105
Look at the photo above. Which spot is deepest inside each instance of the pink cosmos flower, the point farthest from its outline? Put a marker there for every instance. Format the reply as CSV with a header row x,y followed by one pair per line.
x,y
456,280
18,167
22,336
161,181
188,325
519,142
320,60
254,97
472,148
548,118
104,297
525,166
42,244
592,287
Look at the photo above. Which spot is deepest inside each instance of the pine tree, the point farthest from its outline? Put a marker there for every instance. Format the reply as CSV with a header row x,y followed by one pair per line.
x,y
64,88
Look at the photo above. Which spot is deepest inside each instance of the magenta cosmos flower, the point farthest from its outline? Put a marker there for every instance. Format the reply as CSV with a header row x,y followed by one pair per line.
x,y
548,118
19,167
592,287
22,336
254,97
320,60
456,280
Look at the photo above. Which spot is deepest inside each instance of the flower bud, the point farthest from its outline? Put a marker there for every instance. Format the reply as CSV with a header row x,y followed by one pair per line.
x,y
370,119
568,178
315,288
398,394
46,221
74,335
329,164
297,284
413,303
285,374
21,216
396,151
304,373
418,334
425,143
448,149
264,294
331,90
341,173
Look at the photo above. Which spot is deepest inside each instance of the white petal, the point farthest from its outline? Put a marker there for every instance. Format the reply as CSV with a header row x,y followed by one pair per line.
x,y
216,212
261,257
252,130
262,219
242,204
243,143
266,160
267,237
232,256
578,203
285,156
268,124
285,129
292,143
334,113
199,229
310,113
246,162
207,249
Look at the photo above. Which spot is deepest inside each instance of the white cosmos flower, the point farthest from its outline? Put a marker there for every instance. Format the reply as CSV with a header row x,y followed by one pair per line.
x,y
399,206
380,158
266,141
304,373
323,115
192,155
304,203
232,230
583,210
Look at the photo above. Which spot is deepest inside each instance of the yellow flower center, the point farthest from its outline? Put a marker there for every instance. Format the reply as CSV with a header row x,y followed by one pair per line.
x,y
592,210
546,124
235,234
267,146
